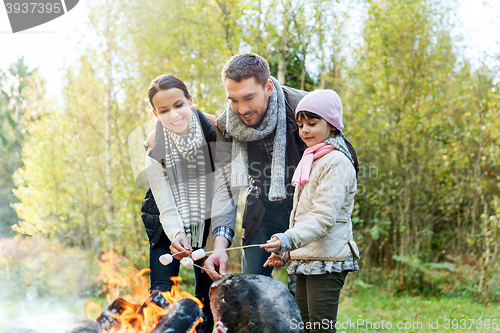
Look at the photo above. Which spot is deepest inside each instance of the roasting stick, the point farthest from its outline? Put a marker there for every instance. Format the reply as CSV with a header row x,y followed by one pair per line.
x,y
198,254
231,248
188,262
234,248
208,270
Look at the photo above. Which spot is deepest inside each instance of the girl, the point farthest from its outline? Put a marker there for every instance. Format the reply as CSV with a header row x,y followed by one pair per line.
x,y
319,242
179,165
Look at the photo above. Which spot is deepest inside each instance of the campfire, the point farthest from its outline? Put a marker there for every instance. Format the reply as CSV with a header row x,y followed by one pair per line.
x,y
242,303
139,311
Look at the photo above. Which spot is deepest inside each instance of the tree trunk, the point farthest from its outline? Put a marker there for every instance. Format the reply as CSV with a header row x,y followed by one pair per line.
x,y
226,18
284,42
109,210
303,69
321,36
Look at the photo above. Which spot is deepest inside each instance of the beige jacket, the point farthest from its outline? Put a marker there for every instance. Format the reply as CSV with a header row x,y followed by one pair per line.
x,y
320,222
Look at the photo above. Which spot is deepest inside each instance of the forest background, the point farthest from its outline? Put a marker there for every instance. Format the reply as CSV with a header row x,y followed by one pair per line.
x,y
423,118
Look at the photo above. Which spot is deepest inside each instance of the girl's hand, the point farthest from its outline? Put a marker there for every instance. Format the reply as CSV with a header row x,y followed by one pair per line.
x,y
180,245
272,245
274,261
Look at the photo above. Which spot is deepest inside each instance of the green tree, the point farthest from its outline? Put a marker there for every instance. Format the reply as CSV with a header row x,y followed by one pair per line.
x,y
77,185
402,73
421,123
13,86
190,39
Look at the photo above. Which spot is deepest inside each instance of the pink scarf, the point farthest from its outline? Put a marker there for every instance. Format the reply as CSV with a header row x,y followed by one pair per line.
x,y
303,171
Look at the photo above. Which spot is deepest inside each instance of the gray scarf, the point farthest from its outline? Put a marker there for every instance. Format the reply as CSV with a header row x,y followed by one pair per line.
x,y
185,172
274,118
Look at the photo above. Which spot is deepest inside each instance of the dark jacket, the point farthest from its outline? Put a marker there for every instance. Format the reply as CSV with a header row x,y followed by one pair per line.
x,y
151,218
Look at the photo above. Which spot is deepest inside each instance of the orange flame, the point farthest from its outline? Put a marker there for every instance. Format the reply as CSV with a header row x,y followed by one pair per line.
x,y
134,318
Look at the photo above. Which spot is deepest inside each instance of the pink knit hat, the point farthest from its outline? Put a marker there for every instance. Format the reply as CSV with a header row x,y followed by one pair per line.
x,y
324,103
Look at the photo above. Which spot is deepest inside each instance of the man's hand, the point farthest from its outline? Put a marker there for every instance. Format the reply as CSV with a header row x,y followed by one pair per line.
x,y
180,245
218,260
272,245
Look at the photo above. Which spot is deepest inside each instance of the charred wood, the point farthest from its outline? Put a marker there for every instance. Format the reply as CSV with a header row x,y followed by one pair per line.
x,y
108,319
183,315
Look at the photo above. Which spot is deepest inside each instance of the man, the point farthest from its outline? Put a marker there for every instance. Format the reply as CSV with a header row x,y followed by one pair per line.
x,y
258,146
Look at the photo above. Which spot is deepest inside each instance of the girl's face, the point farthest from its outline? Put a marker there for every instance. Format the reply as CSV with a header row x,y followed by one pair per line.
x,y
313,131
173,109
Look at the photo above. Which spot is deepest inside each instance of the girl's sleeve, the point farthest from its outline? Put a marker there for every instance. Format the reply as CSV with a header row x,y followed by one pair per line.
x,y
328,200
169,215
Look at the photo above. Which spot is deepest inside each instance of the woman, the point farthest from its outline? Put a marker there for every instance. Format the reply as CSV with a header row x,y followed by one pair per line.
x,y
179,165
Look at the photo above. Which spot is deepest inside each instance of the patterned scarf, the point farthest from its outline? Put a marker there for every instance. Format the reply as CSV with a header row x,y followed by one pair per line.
x,y
185,172
274,118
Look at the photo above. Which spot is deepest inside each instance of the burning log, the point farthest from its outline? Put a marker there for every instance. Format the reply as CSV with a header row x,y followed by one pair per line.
x,y
127,315
171,311
109,319
249,303
183,316
157,298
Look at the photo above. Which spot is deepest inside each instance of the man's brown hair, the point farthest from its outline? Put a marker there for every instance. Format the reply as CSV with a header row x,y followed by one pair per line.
x,y
244,66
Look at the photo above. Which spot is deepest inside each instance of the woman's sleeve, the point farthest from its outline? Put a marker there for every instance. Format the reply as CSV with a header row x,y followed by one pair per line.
x,y
169,215
327,202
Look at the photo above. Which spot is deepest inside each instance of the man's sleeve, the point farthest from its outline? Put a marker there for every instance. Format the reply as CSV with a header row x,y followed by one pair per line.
x,y
225,232
225,200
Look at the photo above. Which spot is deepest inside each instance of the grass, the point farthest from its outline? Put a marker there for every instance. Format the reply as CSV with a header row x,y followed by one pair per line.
x,y
414,313
374,309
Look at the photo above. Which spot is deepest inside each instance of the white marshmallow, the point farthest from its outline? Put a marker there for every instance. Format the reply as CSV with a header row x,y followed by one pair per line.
x,y
166,259
187,262
198,254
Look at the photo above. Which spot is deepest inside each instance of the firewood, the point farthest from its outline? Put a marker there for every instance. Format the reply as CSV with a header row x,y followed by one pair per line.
x,y
183,315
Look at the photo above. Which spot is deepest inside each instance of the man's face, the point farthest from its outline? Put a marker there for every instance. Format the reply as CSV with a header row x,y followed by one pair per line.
x,y
249,99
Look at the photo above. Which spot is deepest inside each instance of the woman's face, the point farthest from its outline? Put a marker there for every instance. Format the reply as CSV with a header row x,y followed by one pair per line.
x,y
313,131
173,109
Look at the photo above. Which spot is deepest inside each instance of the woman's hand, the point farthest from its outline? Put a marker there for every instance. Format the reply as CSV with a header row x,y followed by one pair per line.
x,y
180,245
274,261
272,245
